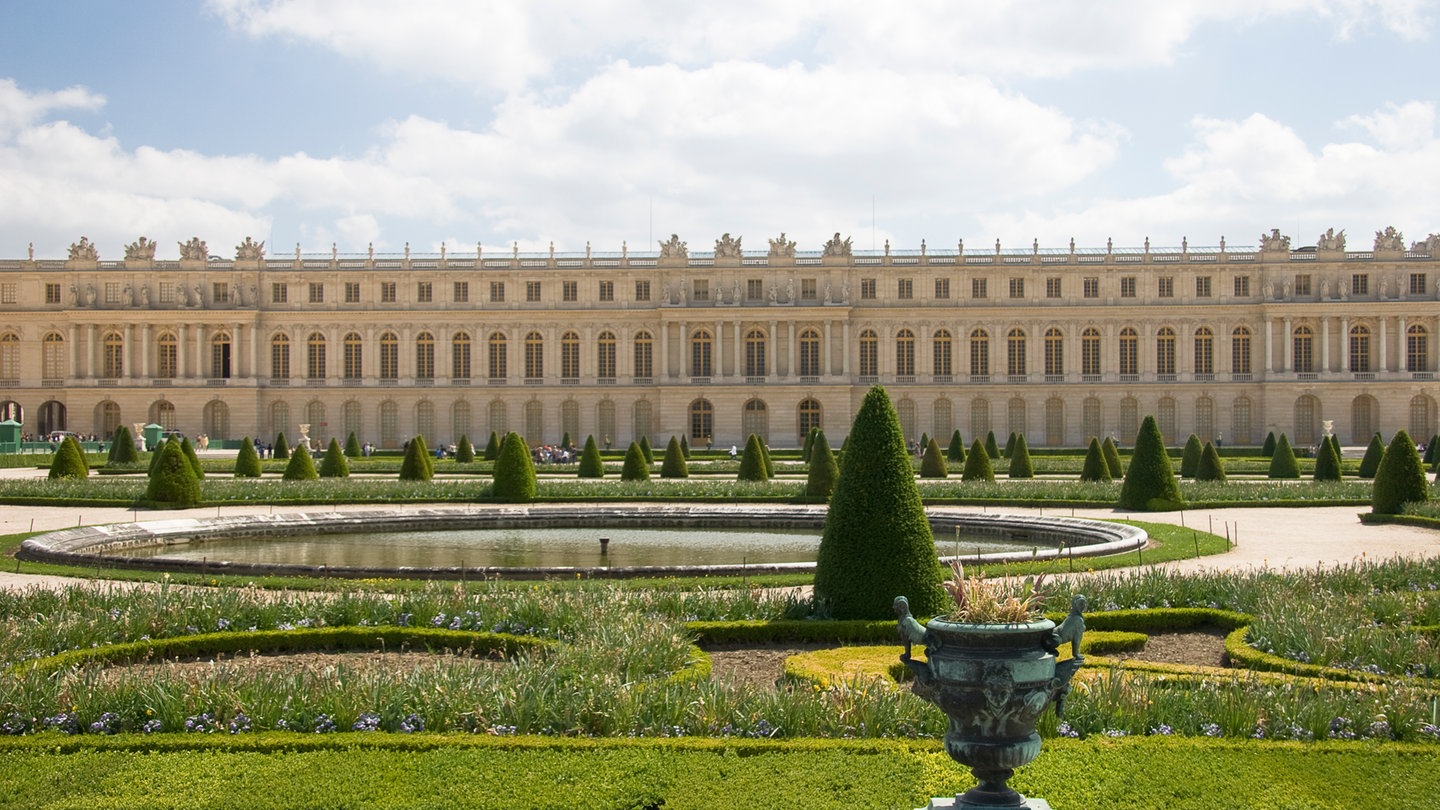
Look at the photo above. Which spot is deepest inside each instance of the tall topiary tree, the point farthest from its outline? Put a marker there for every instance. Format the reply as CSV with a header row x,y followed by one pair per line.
x,y
1374,454
172,481
69,461
1268,448
924,442
877,542
1150,482
684,447
1401,477
1112,458
565,443
769,463
464,450
805,447
1283,464
492,447
189,450
1010,445
991,449
590,464
752,462
824,471
636,468
1020,464
674,466
1095,468
514,471
282,446
122,447
416,466
1327,460
647,450
1429,457
155,455
1190,456
333,465
247,462
977,465
301,466
955,453
352,446
932,465
1210,468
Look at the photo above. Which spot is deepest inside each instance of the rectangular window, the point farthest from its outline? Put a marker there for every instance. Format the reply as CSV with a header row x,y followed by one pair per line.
x,y
606,291
642,291
167,292
1242,286
754,289
352,292
460,292
220,292
1302,284
317,292
532,291
701,288
905,289
1017,287
808,290
1417,283
979,288
1202,286
942,288
497,292
1127,286
7,293
52,293
1165,287
867,289
424,292
1360,284
1052,287
279,293
387,292
570,291
1092,287
112,292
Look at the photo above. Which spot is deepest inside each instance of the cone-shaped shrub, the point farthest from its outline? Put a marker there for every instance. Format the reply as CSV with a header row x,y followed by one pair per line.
x,y
282,446
1020,465
674,466
991,449
301,466
1190,457
1268,448
173,480
684,447
932,465
636,468
1429,457
765,456
977,464
752,462
122,447
492,447
1112,458
955,453
247,462
352,446
1374,454
1095,468
189,450
1210,468
824,471
1327,461
514,472
1150,482
155,458
334,465
464,450
1283,464
1401,477
416,466
877,543
924,441
1010,445
69,460
565,443
590,464
647,450
805,448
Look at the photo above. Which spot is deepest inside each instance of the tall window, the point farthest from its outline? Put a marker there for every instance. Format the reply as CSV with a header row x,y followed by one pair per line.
x,y
425,358
644,356
1090,356
1240,353
941,350
869,353
351,415
1205,418
605,356
641,418
809,353
315,414
9,356
755,418
570,356
315,356
1129,351
425,421
1165,419
905,353
389,356
570,418
53,364
1417,348
1165,351
1015,352
1054,353
754,353
1090,418
605,420
460,418
497,347
499,418
352,365
1240,424
702,419
112,361
942,417
460,356
534,421
1129,419
279,417
701,346
280,357
1304,347
810,417
1054,421
1360,348
979,417
980,352
389,424
167,355
534,358
1204,351
220,356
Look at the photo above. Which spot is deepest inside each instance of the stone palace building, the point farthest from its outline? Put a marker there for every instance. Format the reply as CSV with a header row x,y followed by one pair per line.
x,y
1062,344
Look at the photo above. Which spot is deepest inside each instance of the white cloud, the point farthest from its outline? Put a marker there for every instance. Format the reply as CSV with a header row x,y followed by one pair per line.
x,y
19,109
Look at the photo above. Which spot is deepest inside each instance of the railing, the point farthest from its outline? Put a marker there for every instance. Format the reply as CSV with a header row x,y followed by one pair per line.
x,y
1365,375
1054,378
809,379
754,380
642,380
496,381
1129,378
1242,377
1422,375
699,380
166,382
943,379
460,381
1165,378
905,378
424,381
868,379
217,381
1204,378
979,378
1090,378
384,381
1017,379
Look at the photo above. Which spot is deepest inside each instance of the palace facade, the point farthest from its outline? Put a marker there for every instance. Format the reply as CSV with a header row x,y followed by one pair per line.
x,y
1060,344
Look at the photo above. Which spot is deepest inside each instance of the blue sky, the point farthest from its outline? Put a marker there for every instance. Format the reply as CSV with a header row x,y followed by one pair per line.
x,y
359,122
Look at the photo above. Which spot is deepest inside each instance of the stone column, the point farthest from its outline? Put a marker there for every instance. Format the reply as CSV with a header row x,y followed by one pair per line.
x,y
665,349
145,334
1289,347
1344,344
1325,344
845,351
132,364
1384,360
739,350
1269,344
1403,361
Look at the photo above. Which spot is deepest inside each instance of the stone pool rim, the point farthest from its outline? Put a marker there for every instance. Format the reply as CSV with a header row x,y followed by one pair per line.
x,y
1054,537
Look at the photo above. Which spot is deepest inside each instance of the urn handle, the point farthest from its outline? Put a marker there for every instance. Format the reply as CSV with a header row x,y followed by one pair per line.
x,y
911,632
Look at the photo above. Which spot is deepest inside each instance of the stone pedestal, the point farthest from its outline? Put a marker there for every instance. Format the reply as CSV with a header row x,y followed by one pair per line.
x,y
949,803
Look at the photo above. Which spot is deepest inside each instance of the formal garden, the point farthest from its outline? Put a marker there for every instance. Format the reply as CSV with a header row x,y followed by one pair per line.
x,y
1251,688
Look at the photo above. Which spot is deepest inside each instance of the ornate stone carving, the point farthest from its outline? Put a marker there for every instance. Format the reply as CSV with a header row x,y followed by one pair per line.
x,y
141,249
1274,242
1330,240
836,247
84,251
195,249
1431,244
674,249
249,250
1389,239
727,247
782,248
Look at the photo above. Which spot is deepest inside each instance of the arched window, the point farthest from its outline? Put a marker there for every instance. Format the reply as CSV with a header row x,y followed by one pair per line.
x,y
1092,425
425,358
702,420
605,356
1307,410
425,422
1165,419
942,351
162,413
1240,353
755,418
534,361
167,355
942,419
499,418
1422,415
497,346
534,422
979,418
352,355
570,419
1364,413
980,353
389,424
701,348
1017,413
460,356
460,420
1205,419
605,421
1204,351
1165,351
644,356
351,418
809,353
53,362
315,356
1015,352
869,353
1129,353
1129,419
1417,348
220,357
389,356
1304,346
217,419
1090,352
279,418
112,362
909,425
1054,421
107,418
640,419
279,357
1054,352
755,353
810,417
315,415
570,357
1360,348
905,353
1240,424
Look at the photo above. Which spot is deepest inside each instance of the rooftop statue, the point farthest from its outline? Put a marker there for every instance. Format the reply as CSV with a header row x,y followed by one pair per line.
x,y
1275,241
1330,240
727,248
250,250
142,249
84,251
674,249
1389,239
1430,245
782,248
194,249
836,247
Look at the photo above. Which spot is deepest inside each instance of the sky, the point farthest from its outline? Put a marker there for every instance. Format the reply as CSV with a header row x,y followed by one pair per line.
x,y
605,123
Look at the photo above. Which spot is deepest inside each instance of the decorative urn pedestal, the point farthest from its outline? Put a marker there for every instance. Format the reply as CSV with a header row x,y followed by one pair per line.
x,y
993,681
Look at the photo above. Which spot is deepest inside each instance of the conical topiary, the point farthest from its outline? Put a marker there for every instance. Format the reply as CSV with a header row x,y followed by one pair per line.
x,y
565,443
977,465
416,466
1374,454
514,472
1401,477
684,448
352,446
955,453
173,481
1009,445
247,461
991,449
877,543
824,471
1190,456
636,468
1429,457
155,455
1210,468
122,448
492,447
765,456
590,464
464,450
924,441
189,450
932,464
809,442
1095,468
674,466
1112,458
1150,482
1020,465
647,450
69,460
1268,448
752,462
1327,460
282,446
301,466
333,464
1283,464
